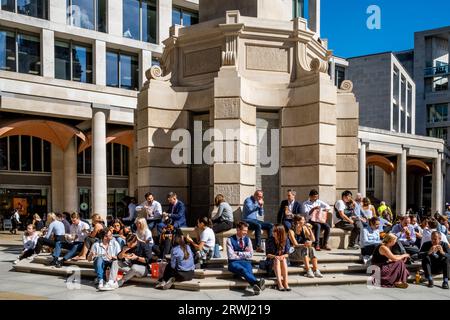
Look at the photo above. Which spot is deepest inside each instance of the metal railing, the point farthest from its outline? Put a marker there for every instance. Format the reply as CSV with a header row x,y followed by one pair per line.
x,y
441,70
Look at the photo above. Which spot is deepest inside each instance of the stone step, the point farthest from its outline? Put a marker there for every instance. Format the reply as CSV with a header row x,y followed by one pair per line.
x,y
324,268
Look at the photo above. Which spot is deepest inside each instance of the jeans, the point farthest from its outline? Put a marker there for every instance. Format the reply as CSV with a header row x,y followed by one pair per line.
x,y
100,266
317,227
355,229
221,226
243,268
27,253
74,248
288,224
369,249
51,243
165,246
254,224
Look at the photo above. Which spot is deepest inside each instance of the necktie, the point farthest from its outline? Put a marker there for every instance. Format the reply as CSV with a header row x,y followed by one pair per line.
x,y
241,243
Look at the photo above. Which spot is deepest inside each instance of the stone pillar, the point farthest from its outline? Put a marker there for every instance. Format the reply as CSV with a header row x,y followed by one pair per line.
x,y
437,203
99,180
401,183
164,12
115,17
362,169
387,187
420,191
57,159
48,53
163,163
145,63
100,62
333,70
58,11
347,122
314,16
132,172
70,177
235,163
309,153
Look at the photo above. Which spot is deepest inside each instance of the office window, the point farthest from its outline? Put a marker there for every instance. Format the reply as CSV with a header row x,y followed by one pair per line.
x,y
116,159
184,17
339,75
299,8
440,83
395,118
24,153
140,20
73,62
396,92
437,112
87,14
403,121
440,133
122,70
7,50
33,8
370,174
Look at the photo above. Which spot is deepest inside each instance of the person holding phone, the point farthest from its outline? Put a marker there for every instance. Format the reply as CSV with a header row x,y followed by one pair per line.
x,y
435,259
104,254
302,240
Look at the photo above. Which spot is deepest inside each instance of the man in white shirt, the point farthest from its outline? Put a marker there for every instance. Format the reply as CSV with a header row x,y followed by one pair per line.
x,y
15,221
79,230
347,218
317,212
151,210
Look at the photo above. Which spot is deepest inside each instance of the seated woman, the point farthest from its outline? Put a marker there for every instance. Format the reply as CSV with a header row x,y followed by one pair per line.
x,y
367,211
370,238
302,239
223,220
37,222
104,254
30,238
392,267
181,267
118,231
204,247
97,226
143,232
134,259
277,253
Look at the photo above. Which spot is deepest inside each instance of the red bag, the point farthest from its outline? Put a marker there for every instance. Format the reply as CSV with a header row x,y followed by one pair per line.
x,y
157,269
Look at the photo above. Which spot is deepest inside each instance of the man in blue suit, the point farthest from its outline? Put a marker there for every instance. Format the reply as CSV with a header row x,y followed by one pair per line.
x,y
288,208
254,207
176,213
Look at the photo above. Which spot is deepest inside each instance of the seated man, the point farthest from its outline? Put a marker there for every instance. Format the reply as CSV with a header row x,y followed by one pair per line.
x,y
254,207
176,214
347,218
435,259
240,251
129,220
317,212
134,259
79,230
288,208
53,235
406,237
151,210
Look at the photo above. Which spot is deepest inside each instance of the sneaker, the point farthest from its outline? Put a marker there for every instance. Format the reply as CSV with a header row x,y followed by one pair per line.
x,y
366,260
59,264
160,284
109,286
101,284
309,274
430,284
262,284
445,285
353,247
168,284
220,248
318,274
16,261
327,247
96,281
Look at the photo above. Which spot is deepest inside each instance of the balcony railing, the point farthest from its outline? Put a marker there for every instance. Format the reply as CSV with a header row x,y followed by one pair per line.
x,y
434,71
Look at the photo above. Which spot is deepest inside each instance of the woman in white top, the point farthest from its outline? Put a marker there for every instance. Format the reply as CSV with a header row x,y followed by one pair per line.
x,y
143,232
204,247
30,238
367,210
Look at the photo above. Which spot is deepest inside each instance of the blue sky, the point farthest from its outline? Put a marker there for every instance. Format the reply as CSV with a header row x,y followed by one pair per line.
x,y
343,23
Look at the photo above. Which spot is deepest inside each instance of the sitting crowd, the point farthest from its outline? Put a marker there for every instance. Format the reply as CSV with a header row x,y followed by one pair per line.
x,y
121,249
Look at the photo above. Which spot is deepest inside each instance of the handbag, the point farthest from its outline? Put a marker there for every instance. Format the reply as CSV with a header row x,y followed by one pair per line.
x,y
157,269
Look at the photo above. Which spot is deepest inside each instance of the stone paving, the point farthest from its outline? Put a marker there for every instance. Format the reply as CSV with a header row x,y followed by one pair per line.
x,y
15,285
